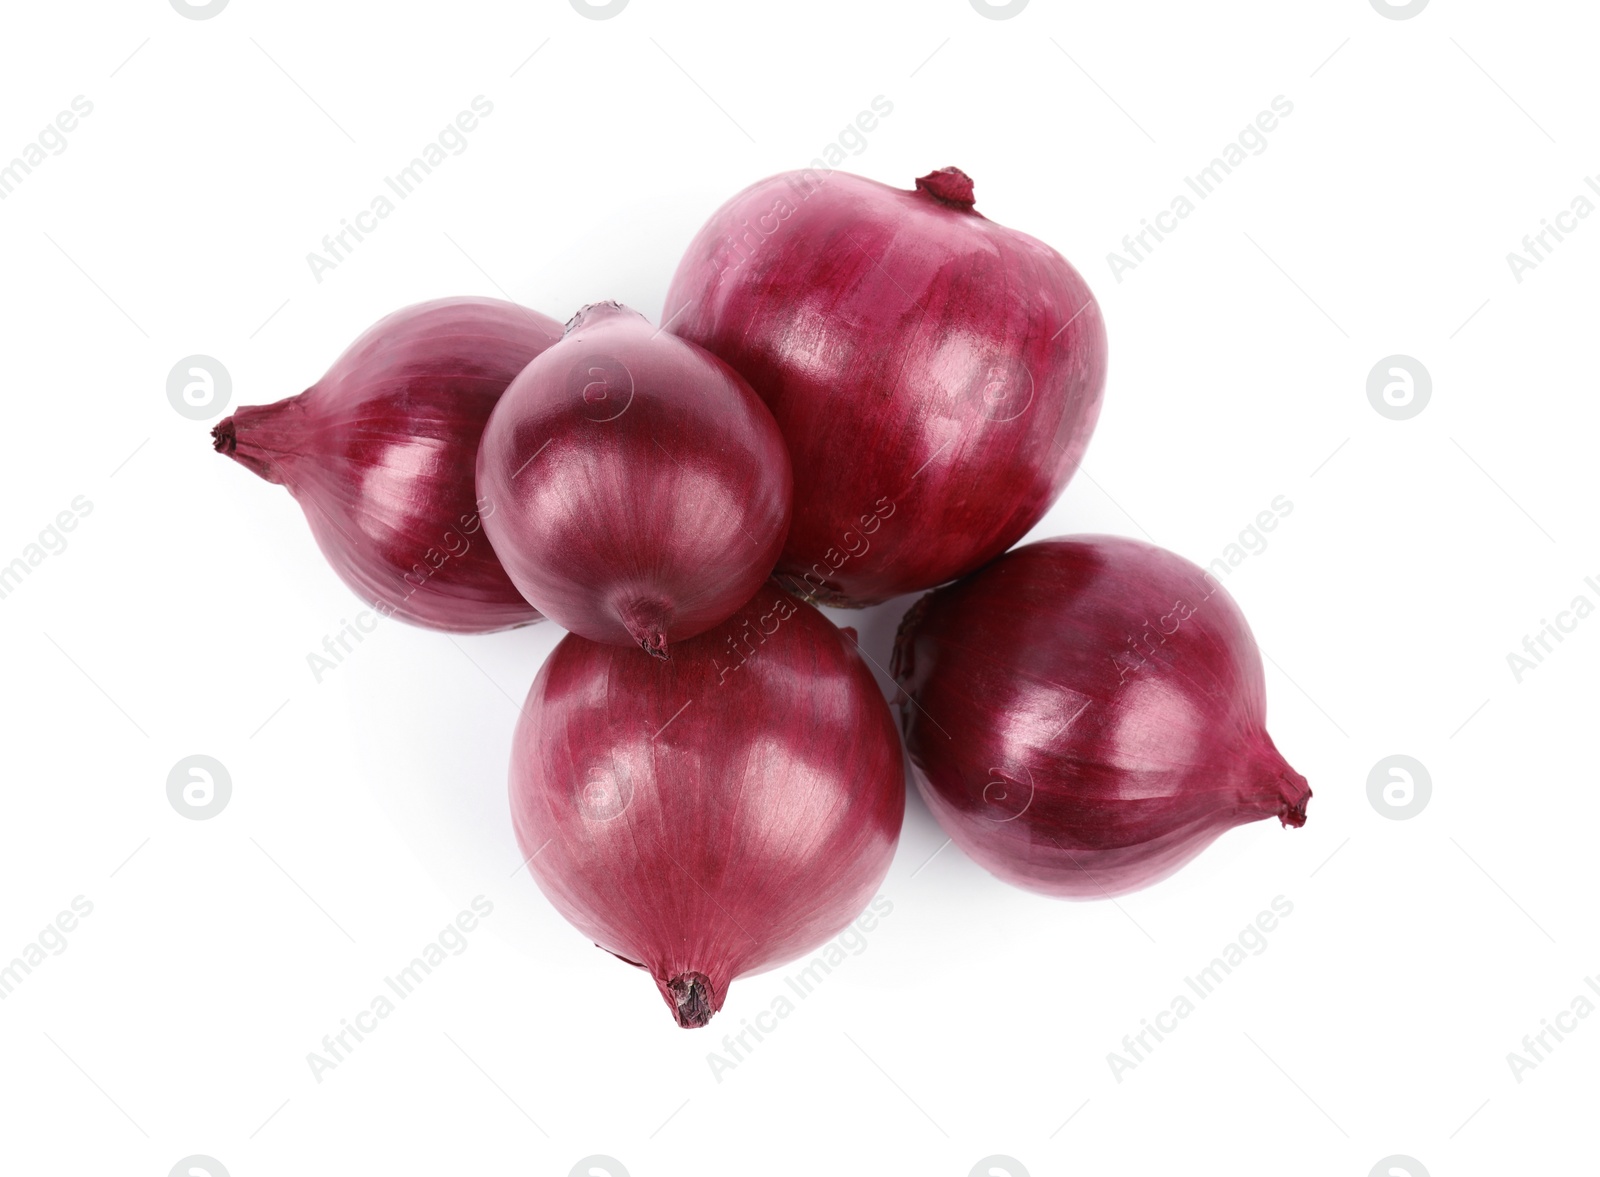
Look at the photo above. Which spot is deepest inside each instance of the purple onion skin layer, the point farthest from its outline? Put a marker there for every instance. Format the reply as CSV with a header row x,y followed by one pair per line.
x,y
936,375
380,453
641,490
1085,715
717,813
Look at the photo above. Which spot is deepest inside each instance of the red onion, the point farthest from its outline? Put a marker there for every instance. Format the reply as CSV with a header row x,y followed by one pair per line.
x,y
380,455
641,489
1088,714
716,814
936,375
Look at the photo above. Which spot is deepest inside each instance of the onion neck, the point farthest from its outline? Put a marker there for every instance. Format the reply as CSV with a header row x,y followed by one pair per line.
x,y
692,999
903,659
1277,789
598,312
647,623
951,187
263,438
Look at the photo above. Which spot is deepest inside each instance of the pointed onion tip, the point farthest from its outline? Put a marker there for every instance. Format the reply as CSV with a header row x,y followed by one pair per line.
x,y
595,311
950,186
1293,793
1277,789
691,997
1293,812
647,623
223,438
902,661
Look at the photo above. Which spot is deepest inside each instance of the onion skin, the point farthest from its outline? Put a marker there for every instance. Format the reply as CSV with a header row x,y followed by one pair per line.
x,y
380,453
1087,714
715,814
964,359
641,490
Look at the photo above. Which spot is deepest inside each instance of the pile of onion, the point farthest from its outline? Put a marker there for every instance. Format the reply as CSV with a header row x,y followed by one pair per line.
x,y
1088,714
860,392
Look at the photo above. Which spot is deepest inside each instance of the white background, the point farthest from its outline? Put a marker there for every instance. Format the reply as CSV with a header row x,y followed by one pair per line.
x,y
370,808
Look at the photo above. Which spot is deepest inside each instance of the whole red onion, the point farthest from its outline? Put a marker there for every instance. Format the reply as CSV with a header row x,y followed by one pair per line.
x,y
1088,714
641,490
380,455
715,814
936,375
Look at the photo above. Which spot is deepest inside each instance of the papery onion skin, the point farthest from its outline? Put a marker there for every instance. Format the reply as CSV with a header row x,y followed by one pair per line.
x,y
1087,714
717,813
381,455
641,490
936,375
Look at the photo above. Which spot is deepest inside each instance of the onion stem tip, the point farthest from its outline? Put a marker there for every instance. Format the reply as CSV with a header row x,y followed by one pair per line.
x,y
691,998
